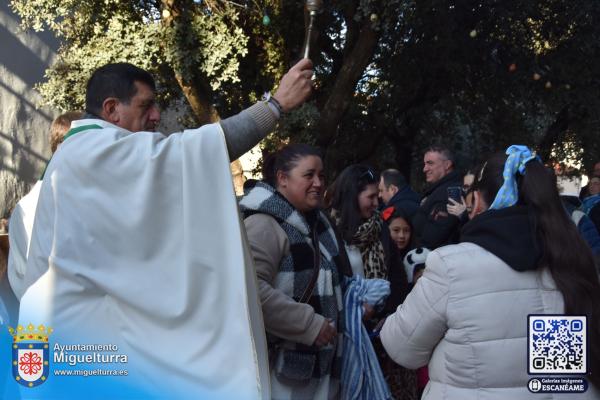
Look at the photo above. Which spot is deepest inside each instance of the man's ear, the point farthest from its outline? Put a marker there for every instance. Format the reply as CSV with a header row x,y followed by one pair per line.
x,y
448,165
394,189
110,110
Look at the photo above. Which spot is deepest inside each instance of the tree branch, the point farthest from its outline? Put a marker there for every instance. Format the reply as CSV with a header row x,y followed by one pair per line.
x,y
345,84
554,133
195,89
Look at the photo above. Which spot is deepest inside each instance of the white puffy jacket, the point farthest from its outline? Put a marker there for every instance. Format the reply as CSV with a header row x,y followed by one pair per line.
x,y
467,319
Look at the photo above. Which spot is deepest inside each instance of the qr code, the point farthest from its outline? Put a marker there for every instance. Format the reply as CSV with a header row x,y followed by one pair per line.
x,y
557,344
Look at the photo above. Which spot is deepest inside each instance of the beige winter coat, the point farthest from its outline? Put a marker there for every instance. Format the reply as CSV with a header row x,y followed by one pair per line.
x,y
284,317
467,319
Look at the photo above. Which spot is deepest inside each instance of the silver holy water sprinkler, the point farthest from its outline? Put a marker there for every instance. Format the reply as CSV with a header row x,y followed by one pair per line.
x,y
312,8
314,5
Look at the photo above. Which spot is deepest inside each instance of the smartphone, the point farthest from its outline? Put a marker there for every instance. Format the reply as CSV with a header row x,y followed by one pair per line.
x,y
455,193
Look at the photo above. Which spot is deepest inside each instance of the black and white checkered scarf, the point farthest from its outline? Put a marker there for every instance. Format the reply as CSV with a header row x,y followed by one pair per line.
x,y
296,270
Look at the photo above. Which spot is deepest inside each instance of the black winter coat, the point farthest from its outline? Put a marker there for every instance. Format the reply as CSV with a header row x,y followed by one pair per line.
x,y
433,227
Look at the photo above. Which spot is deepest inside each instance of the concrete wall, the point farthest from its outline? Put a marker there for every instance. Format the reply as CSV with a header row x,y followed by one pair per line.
x,y
24,147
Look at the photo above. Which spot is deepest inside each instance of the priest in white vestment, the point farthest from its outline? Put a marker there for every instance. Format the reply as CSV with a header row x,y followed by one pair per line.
x,y
138,244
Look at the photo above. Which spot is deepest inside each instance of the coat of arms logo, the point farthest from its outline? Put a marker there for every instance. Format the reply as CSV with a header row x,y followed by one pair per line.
x,y
30,350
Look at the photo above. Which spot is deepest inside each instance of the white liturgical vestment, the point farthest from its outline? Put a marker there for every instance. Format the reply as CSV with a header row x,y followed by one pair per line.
x,y
20,227
138,244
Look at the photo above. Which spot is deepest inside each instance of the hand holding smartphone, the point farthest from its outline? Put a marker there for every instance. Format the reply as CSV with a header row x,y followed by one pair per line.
x,y
455,193
456,203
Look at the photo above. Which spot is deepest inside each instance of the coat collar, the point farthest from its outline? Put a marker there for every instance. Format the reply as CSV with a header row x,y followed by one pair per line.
x,y
507,233
263,198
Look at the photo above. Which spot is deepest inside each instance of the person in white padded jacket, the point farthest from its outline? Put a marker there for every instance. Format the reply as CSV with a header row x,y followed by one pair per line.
x,y
466,318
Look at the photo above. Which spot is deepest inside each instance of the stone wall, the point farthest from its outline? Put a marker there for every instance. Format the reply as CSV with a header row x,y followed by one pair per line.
x,y
24,147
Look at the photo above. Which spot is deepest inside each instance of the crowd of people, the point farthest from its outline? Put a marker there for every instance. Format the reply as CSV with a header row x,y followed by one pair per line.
x,y
362,288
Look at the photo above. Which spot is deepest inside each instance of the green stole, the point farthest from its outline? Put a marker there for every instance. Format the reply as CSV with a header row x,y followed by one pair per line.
x,y
70,133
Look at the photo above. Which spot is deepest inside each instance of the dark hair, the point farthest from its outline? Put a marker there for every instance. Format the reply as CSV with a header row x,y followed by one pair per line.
x,y
471,171
564,252
343,197
443,150
285,159
400,212
114,80
393,177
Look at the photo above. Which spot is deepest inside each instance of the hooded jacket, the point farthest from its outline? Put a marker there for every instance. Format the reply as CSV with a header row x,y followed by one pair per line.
x,y
466,318
406,200
585,225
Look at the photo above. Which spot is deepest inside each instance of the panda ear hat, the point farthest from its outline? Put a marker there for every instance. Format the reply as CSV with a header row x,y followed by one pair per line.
x,y
412,259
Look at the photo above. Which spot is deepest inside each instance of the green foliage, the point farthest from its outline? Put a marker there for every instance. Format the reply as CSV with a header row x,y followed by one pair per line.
x,y
462,73
212,43
121,41
475,75
98,32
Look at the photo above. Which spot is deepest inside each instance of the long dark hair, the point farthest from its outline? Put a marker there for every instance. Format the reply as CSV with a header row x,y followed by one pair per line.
x,y
390,217
564,252
342,197
285,159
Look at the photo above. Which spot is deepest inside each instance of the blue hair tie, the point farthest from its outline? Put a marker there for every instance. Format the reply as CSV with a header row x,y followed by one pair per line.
x,y
508,194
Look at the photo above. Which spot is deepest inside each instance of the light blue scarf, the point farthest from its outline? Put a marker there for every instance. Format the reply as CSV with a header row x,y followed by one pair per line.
x,y
362,378
518,157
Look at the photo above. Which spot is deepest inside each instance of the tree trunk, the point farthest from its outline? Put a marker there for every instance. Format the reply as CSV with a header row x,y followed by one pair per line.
x,y
194,87
203,110
403,139
554,133
343,89
237,173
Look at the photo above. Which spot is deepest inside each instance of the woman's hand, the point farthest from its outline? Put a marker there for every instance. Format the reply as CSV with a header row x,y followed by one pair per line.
x,y
368,311
326,334
455,208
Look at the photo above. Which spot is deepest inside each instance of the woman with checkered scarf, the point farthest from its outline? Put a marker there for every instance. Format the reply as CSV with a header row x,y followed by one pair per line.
x,y
296,258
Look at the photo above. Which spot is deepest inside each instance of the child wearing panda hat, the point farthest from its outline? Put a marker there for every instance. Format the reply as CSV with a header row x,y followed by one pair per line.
x,y
414,264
